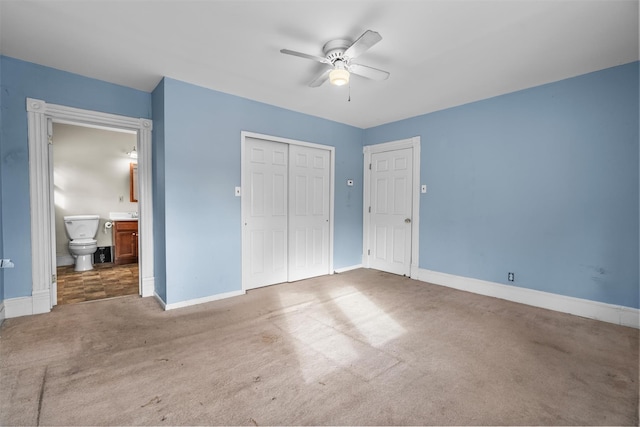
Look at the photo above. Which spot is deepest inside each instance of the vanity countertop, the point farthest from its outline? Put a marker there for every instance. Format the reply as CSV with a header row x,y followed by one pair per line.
x,y
123,216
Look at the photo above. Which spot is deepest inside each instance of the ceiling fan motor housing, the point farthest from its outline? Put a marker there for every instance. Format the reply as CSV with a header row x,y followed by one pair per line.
x,y
334,50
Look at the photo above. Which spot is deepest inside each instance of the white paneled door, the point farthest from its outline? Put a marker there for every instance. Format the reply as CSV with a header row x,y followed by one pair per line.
x,y
391,211
286,212
309,180
265,208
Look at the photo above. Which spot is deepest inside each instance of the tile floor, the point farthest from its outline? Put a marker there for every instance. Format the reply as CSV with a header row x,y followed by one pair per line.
x,y
104,281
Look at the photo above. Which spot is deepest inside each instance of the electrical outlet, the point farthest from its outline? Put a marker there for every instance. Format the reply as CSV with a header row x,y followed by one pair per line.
x,y
6,263
511,277
350,182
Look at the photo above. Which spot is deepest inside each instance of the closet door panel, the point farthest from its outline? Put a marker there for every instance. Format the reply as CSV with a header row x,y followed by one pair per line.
x,y
309,186
265,208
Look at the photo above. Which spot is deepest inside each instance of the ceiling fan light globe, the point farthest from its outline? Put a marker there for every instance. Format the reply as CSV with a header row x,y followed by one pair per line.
x,y
339,77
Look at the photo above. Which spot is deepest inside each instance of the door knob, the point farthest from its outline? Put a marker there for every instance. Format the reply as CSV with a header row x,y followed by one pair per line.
x,y
407,220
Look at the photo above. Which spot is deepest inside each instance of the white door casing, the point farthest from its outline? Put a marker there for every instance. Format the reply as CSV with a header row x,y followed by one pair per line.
x,y
308,212
312,218
391,206
39,116
265,206
53,292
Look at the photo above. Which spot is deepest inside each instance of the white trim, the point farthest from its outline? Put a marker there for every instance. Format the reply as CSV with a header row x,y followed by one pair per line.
x,y
99,127
145,210
246,134
332,200
196,301
17,307
1,312
368,150
620,315
39,115
70,115
345,269
53,292
148,286
39,192
159,299
332,155
41,301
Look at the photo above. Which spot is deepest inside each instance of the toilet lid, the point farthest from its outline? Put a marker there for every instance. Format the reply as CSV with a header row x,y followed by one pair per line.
x,y
82,242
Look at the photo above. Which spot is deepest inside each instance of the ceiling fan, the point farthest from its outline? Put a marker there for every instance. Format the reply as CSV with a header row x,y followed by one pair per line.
x,y
338,57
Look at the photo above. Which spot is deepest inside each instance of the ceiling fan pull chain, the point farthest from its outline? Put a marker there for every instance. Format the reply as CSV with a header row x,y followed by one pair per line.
x,y
349,100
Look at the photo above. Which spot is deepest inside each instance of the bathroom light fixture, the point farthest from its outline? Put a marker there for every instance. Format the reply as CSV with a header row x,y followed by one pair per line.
x,y
133,153
339,76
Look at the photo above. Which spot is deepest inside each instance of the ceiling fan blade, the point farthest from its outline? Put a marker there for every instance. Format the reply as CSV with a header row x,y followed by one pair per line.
x,y
368,72
307,56
320,78
364,42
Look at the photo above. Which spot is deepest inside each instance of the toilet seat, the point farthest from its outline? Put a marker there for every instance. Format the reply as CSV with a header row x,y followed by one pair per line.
x,y
82,242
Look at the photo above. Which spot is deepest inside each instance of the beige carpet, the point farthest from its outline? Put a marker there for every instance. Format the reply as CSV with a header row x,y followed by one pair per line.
x,y
358,348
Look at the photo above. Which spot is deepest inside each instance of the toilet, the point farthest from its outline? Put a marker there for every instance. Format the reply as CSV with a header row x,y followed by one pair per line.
x,y
81,230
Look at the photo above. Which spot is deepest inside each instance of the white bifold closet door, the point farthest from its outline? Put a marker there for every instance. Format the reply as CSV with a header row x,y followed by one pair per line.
x,y
286,212
265,207
308,212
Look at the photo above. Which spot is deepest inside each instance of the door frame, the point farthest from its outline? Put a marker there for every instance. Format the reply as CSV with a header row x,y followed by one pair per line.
x,y
368,150
40,116
244,190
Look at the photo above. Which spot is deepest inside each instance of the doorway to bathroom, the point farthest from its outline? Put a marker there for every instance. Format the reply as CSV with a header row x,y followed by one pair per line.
x,y
92,175
40,117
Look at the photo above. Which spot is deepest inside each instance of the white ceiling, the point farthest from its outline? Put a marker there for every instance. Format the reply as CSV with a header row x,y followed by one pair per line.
x,y
440,53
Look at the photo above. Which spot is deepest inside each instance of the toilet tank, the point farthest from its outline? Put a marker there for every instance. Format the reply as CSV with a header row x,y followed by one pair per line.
x,y
81,226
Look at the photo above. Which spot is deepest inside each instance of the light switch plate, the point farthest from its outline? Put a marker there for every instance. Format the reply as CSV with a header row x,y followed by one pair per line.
x,y
423,188
238,192
350,182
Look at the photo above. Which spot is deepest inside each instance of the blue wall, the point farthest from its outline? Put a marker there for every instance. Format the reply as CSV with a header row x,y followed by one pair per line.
x,y
201,168
21,80
541,182
1,190
196,165
158,189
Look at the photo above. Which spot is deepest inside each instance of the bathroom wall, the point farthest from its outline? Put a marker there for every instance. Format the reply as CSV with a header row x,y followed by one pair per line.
x,y
91,176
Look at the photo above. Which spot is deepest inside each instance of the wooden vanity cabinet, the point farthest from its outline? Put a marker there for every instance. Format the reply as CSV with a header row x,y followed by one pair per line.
x,y
125,241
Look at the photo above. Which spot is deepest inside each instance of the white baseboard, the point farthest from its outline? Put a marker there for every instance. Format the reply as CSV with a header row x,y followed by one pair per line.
x,y
202,300
148,287
160,301
17,307
38,303
620,315
345,269
41,301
